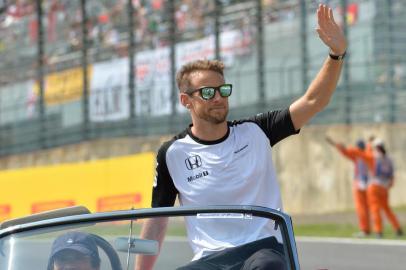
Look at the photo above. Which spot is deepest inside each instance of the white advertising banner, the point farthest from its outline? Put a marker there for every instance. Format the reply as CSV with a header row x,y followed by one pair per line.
x,y
17,102
109,84
108,97
194,50
153,82
109,92
232,43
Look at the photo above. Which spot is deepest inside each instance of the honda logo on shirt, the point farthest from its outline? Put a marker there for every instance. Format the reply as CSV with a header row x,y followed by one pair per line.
x,y
193,162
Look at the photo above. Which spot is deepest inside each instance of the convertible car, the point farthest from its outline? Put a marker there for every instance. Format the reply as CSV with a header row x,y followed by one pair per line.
x,y
32,242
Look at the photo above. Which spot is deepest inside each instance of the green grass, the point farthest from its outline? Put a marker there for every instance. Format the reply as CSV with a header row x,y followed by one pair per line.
x,y
177,228
319,230
400,208
123,230
337,230
326,230
316,230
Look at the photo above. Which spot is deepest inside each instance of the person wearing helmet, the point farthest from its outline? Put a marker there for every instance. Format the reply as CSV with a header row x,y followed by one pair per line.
x,y
378,189
360,183
381,170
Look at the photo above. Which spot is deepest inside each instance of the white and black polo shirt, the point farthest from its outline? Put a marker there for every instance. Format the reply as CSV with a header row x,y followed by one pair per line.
x,y
234,170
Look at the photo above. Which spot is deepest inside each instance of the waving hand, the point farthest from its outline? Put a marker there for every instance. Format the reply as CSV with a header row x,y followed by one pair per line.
x,y
329,32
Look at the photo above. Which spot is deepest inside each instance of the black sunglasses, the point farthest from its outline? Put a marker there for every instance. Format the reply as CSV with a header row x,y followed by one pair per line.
x,y
208,92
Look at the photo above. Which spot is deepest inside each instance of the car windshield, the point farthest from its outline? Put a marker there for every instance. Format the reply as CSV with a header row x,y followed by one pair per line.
x,y
118,242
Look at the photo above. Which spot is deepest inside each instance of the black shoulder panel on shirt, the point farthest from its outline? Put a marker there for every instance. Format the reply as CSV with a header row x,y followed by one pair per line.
x,y
276,125
164,191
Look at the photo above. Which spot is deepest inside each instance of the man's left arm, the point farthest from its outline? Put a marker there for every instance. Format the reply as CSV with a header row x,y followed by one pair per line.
x,y
322,87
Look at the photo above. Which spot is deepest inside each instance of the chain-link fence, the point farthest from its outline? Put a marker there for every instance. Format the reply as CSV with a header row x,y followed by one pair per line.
x,y
73,70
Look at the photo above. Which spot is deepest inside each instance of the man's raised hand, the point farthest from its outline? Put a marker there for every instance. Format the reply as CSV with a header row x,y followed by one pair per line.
x,y
329,31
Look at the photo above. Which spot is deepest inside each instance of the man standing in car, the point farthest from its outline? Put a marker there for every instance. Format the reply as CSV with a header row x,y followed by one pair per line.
x,y
216,162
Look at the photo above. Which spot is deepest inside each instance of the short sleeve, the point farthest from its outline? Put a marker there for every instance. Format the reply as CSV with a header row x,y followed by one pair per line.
x,y
164,191
277,125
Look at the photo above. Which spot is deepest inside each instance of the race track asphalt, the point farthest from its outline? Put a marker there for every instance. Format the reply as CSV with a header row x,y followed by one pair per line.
x,y
314,253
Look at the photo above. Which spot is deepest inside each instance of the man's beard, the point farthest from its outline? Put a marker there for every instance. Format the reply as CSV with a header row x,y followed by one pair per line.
x,y
216,118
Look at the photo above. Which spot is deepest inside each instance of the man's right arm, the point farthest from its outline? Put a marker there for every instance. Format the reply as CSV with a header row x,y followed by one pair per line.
x,y
163,194
153,229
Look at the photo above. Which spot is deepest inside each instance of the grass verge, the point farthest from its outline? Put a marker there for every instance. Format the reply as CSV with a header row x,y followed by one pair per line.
x,y
338,230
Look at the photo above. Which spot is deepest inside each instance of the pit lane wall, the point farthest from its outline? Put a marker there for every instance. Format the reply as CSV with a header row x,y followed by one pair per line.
x,y
316,178
106,174
101,185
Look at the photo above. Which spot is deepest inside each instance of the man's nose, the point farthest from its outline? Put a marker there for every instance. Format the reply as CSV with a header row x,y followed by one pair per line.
x,y
217,96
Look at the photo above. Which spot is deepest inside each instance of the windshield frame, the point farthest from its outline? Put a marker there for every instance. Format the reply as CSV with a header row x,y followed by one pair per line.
x,y
282,219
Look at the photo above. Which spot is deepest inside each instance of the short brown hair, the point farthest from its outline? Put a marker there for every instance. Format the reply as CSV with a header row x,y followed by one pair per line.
x,y
182,77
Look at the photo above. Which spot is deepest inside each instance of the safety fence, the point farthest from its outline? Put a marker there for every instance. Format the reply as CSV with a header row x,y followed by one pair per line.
x,y
73,70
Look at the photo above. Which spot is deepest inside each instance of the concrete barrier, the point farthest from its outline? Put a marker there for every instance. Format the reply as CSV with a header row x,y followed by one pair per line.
x,y
314,177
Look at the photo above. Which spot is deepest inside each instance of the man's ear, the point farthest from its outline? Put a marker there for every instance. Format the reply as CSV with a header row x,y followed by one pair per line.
x,y
184,100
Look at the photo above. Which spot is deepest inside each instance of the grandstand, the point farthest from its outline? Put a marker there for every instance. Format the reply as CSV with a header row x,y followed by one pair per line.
x,y
51,94
77,71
